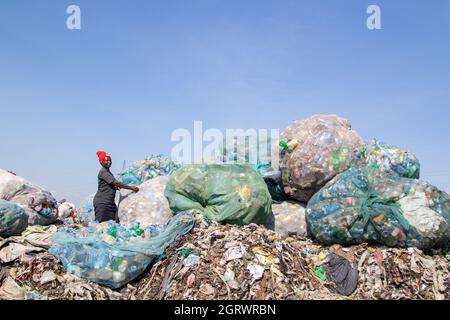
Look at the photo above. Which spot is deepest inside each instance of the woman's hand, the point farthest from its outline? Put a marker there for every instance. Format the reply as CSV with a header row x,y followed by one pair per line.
x,y
135,189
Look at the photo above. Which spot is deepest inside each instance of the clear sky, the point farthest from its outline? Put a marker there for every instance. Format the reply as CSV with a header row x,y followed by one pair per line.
x,y
137,70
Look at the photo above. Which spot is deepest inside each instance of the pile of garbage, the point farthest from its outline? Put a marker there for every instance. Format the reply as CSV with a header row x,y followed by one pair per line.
x,y
328,217
217,261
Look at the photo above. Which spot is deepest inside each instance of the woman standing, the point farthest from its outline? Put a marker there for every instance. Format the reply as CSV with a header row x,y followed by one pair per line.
x,y
104,204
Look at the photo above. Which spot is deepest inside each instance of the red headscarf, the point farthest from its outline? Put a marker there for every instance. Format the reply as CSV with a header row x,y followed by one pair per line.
x,y
101,156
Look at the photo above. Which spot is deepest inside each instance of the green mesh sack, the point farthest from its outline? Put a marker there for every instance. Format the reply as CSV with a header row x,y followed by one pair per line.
x,y
227,193
365,205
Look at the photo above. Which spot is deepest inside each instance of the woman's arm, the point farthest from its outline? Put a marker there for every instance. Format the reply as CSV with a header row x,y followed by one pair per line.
x,y
121,185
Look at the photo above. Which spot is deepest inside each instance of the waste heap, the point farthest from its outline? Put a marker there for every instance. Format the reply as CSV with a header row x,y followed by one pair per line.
x,y
227,262
217,261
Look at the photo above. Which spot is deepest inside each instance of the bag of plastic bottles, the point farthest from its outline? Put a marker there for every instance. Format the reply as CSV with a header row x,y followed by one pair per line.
x,y
313,151
227,193
86,212
363,205
151,167
13,219
112,255
39,204
380,156
148,207
289,219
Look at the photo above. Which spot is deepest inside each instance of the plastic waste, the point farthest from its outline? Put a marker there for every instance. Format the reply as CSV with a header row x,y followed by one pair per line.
x,y
149,206
13,219
149,168
67,210
107,256
362,205
38,203
227,193
387,158
191,260
289,219
313,151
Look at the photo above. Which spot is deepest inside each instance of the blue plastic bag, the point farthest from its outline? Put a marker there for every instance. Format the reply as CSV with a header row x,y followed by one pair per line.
x,y
110,261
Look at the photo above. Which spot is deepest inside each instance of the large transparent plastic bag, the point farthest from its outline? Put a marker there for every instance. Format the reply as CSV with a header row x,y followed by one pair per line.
x,y
313,151
39,204
114,263
149,206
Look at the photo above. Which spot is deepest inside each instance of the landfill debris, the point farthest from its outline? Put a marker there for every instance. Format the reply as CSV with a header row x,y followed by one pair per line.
x,y
362,205
319,271
14,251
149,168
111,254
10,290
149,206
275,268
342,273
228,193
313,151
380,156
288,273
66,209
39,204
47,276
13,219
191,260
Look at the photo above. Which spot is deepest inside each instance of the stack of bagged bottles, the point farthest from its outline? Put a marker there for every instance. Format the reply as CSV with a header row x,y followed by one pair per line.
x,y
111,254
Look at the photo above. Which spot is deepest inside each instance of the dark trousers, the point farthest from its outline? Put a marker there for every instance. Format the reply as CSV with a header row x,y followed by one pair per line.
x,y
106,212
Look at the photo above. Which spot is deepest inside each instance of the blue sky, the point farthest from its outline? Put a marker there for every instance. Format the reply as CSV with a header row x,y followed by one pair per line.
x,y
137,70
